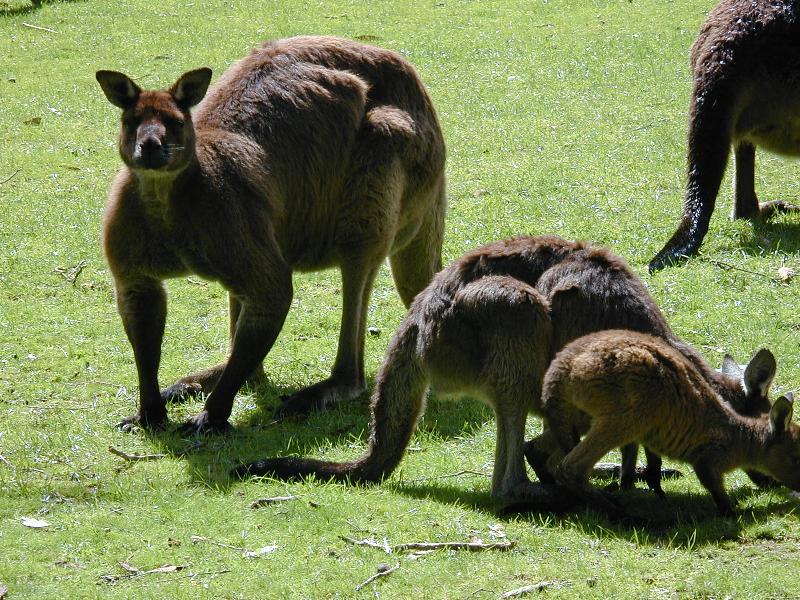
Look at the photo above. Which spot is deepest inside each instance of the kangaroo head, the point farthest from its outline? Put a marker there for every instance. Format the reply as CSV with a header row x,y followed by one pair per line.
x,y
157,133
782,449
753,380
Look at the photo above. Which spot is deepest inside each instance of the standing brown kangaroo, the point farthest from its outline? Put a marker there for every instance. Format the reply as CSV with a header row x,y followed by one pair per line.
x,y
489,325
637,388
746,93
309,153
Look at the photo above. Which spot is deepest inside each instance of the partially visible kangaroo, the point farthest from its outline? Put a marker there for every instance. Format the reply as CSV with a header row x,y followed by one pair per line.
x,y
637,388
489,325
746,93
309,153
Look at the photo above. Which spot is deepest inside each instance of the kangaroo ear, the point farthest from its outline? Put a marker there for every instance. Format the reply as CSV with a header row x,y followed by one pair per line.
x,y
780,415
731,367
119,88
191,87
759,373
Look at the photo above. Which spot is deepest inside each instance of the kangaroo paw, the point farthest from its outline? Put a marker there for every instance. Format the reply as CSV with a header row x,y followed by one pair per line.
x,y
316,397
150,421
202,423
180,392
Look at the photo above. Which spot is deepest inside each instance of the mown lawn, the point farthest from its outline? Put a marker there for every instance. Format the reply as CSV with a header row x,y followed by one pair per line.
x,y
561,117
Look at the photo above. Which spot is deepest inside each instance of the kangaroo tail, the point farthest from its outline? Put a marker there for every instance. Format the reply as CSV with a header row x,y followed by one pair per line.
x,y
397,403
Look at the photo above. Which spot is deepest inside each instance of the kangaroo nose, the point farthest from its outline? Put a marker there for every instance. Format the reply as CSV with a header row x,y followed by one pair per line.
x,y
149,153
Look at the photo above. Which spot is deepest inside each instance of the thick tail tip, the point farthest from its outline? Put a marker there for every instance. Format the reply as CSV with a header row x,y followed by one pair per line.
x,y
277,468
664,259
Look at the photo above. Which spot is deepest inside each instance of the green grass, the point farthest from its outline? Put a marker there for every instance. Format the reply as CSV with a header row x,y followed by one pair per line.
x,y
560,117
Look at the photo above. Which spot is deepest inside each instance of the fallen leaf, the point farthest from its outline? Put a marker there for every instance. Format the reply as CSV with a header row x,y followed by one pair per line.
x,y
166,569
34,523
259,552
34,121
785,274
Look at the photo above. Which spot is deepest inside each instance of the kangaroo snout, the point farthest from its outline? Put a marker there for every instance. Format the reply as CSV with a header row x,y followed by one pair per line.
x,y
149,151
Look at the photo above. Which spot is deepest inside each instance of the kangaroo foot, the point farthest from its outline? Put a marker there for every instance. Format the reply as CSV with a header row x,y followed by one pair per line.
x,y
537,459
536,497
764,210
202,381
150,420
767,209
317,397
180,392
203,423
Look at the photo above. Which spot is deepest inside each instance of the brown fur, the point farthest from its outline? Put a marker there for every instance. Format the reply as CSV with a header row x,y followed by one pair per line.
x,y
746,74
637,388
309,153
488,325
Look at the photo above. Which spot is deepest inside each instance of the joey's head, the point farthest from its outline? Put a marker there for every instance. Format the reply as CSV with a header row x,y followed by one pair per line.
x,y
748,385
157,135
781,457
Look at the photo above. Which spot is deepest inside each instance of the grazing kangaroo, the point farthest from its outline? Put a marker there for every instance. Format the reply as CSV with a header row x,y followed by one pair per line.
x,y
309,153
637,388
746,74
489,325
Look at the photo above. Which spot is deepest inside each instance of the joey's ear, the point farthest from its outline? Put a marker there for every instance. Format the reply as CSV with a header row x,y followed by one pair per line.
x,y
780,415
759,373
119,88
191,87
731,367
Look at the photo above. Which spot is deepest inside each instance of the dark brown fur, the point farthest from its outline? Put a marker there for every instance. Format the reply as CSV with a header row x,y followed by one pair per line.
x,y
309,153
746,74
488,325
637,388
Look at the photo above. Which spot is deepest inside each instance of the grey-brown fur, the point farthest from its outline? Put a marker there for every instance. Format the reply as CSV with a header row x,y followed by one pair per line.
x,y
746,93
637,388
309,153
488,325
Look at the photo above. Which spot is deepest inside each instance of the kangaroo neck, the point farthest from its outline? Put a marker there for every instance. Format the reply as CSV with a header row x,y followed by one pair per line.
x,y
159,189
744,436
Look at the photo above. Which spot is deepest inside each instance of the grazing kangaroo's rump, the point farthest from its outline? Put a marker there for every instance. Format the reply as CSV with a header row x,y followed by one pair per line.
x,y
637,388
746,74
309,153
489,325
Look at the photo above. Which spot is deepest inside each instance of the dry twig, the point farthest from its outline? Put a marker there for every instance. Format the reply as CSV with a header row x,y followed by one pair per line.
x,y
273,500
382,572
134,572
72,273
471,546
134,457
39,28
729,267
447,476
369,543
527,589
10,177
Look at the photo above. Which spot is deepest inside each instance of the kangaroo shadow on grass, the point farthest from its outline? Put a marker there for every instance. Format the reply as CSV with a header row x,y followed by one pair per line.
x,y
29,7
257,434
682,520
772,236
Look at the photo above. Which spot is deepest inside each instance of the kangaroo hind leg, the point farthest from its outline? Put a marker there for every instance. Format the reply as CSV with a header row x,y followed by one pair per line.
x,y
415,263
205,380
347,380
